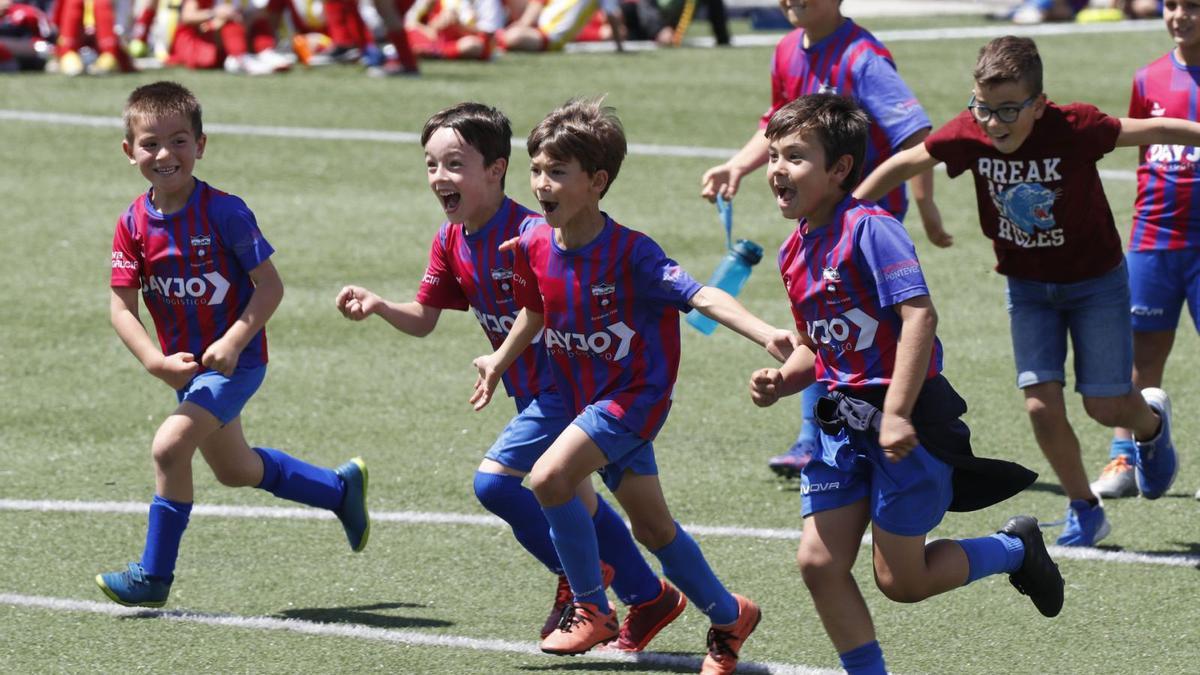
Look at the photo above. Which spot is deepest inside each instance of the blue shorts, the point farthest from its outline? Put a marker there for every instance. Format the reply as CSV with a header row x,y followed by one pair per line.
x,y
908,498
1159,283
1094,312
624,449
223,396
539,421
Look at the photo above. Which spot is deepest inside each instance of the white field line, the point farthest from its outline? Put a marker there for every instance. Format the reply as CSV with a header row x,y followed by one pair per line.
x,y
435,518
404,137
360,632
905,35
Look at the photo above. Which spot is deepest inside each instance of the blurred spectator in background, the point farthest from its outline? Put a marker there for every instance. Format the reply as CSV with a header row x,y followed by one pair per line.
x,y
455,29
25,37
219,33
546,26
92,24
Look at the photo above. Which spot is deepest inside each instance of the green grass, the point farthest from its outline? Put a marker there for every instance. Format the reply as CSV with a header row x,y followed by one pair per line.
x,y
77,414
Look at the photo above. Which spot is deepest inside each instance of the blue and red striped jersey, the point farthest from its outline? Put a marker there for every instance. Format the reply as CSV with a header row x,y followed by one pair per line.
x,y
1166,214
851,62
611,311
843,280
193,268
468,270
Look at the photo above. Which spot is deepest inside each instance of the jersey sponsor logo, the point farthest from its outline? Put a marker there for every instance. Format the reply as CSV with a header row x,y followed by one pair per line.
x,y
190,291
497,327
1173,157
835,334
120,262
810,488
599,343
1146,310
430,279
898,270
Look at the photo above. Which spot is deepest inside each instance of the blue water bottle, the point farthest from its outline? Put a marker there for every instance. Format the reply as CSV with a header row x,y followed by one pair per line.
x,y
729,276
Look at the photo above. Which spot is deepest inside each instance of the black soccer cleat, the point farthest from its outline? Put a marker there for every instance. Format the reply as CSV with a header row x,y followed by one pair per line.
x,y
1038,576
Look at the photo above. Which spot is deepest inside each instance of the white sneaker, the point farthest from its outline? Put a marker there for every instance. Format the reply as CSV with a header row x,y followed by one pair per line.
x,y
279,62
1117,480
252,65
233,65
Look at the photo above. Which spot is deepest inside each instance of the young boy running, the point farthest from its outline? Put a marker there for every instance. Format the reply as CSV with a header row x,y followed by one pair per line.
x,y
467,148
892,451
206,277
830,53
605,300
1164,242
1043,206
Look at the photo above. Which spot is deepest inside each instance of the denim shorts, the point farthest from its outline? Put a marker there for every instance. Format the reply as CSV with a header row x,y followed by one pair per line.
x,y
624,449
908,498
223,396
1094,312
1159,283
539,421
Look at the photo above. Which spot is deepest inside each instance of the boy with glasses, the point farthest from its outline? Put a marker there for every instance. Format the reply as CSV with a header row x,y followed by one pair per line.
x,y
1043,206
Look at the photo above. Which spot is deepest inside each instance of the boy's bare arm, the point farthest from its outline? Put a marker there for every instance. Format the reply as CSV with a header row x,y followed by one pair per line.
x,y
897,169
723,308
413,318
724,179
222,355
491,366
1158,131
918,320
768,385
174,369
922,190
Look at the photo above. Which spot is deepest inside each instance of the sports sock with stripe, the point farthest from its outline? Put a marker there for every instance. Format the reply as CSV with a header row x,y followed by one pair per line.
x,y
289,478
516,505
992,554
634,581
684,564
168,520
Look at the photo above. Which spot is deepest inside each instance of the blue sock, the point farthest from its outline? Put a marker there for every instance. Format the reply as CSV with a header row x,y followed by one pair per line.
x,y
992,555
634,581
168,520
1122,446
864,660
808,400
515,504
289,478
684,564
574,538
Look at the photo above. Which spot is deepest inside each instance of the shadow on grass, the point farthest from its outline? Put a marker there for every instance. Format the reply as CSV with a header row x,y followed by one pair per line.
x,y
365,615
645,662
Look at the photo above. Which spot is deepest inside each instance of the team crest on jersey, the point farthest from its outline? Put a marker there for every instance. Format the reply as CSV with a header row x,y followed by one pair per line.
x,y
603,294
827,88
201,244
1157,110
832,278
503,279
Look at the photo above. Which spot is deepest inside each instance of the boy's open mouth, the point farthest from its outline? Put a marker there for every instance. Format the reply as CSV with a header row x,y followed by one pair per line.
x,y
166,170
548,207
783,193
450,200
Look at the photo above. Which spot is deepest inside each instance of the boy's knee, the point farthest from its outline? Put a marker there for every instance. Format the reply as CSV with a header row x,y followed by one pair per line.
x,y
492,489
817,568
1107,411
899,590
654,535
168,452
551,486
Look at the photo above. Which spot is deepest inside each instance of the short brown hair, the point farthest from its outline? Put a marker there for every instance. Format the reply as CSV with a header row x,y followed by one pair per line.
x,y
481,126
1010,59
585,130
838,123
161,99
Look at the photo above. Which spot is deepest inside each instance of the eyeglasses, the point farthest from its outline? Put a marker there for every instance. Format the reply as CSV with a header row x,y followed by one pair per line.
x,y
1005,113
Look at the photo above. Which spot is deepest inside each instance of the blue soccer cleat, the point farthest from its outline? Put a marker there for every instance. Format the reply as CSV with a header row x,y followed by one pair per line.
x,y
1156,460
791,463
133,588
1038,577
353,511
1086,525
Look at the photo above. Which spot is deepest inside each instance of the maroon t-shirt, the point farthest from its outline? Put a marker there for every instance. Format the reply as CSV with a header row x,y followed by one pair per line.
x,y
1042,206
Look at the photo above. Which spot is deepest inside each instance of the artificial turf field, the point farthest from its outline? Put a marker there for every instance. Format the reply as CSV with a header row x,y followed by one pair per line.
x,y
440,589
